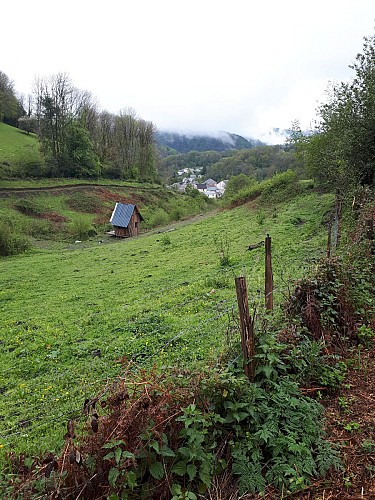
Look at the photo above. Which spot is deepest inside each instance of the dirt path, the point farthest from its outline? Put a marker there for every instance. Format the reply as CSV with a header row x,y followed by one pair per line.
x,y
66,188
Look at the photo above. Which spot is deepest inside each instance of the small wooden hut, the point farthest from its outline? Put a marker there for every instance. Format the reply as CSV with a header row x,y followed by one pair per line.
x,y
126,219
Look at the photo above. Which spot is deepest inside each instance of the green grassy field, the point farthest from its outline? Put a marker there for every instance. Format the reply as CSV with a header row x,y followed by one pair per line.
x,y
69,316
66,213
19,151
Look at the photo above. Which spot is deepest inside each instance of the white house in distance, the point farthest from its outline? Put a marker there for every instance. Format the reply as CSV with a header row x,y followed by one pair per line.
x,y
209,188
213,189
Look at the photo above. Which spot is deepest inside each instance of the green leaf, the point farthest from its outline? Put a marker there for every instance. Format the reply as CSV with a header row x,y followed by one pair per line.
x,y
191,471
155,446
128,454
109,456
157,470
113,444
179,468
204,475
113,474
131,479
184,451
118,454
167,452
28,462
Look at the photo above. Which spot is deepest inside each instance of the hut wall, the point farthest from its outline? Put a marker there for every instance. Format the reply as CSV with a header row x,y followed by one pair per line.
x,y
133,226
132,229
121,231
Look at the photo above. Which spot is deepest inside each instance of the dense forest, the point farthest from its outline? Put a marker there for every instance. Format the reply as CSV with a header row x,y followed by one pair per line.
x,y
224,141
259,162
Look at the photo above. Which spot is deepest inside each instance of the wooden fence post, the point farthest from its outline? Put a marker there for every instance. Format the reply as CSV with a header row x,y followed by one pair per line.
x,y
370,235
247,329
370,229
338,209
268,275
329,239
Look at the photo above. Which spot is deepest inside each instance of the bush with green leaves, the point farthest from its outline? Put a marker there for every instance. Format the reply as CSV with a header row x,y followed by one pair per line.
x,y
279,188
310,364
236,184
81,228
30,206
171,435
158,217
82,201
11,243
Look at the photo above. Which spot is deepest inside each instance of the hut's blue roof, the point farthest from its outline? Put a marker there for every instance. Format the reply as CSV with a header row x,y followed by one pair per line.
x,y
121,214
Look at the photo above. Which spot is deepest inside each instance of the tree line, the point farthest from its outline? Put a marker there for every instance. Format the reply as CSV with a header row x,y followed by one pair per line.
x,y
258,163
77,139
340,152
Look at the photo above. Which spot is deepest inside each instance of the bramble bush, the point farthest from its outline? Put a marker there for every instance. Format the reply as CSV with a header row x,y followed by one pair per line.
x,y
171,435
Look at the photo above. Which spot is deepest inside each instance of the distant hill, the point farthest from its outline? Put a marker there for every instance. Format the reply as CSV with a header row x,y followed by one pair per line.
x,y
183,143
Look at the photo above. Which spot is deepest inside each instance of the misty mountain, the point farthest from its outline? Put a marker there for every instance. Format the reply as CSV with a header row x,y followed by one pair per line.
x,y
183,143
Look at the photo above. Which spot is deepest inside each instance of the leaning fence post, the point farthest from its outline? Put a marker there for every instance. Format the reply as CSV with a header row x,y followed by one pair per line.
x,y
268,275
247,329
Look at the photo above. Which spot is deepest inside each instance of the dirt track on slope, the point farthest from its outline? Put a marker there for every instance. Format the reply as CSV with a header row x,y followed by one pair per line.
x,y
6,192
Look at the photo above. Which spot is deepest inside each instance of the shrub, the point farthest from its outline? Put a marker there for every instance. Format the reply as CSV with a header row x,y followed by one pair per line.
x,y
238,183
190,429
158,218
82,228
38,228
177,213
279,188
11,243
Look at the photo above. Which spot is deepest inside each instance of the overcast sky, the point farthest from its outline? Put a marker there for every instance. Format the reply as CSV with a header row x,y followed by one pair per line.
x,y
242,66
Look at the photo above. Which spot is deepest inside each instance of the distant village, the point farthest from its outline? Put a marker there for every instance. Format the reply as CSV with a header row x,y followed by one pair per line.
x,y
191,177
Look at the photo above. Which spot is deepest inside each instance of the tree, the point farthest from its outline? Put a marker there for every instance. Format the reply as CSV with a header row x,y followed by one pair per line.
x,y
58,105
28,124
10,106
132,145
146,152
102,136
237,183
341,153
125,141
83,161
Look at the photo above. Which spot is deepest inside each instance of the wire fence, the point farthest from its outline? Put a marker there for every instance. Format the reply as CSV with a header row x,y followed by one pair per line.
x,y
170,302
32,425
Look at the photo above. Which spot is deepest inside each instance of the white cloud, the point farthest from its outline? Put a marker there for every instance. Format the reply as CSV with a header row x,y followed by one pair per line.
x,y
201,65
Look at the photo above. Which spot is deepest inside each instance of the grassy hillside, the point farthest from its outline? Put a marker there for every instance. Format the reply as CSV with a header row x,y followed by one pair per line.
x,y
19,152
69,317
66,212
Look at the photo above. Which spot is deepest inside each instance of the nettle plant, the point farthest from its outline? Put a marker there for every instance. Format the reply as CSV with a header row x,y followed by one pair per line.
x,y
171,436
